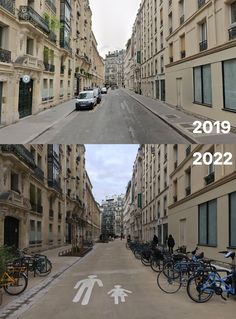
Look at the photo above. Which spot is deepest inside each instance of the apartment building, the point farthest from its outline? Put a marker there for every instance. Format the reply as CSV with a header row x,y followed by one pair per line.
x,y
188,51
126,213
46,54
114,68
92,214
202,49
112,215
202,200
42,195
128,66
98,65
155,192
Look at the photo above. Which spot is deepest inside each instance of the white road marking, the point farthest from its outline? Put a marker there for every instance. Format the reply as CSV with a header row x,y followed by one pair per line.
x,y
119,292
86,285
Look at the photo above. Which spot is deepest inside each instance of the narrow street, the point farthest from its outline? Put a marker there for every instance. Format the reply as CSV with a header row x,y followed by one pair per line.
x,y
118,119
113,265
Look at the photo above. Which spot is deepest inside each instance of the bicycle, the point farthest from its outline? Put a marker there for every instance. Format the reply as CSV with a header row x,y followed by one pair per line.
x,y
38,264
205,284
14,280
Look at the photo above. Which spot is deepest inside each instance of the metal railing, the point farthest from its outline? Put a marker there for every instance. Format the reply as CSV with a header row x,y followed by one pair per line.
x,y
9,5
21,152
5,56
27,13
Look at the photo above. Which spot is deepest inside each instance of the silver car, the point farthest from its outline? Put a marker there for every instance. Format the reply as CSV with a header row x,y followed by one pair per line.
x,y
85,100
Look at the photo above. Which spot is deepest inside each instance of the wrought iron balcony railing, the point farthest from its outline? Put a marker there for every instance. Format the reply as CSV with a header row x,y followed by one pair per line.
x,y
51,5
9,5
49,67
52,37
27,13
5,56
203,45
232,33
39,173
21,152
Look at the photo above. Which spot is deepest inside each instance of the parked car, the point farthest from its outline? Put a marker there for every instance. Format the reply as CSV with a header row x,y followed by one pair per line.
x,y
104,90
98,94
85,100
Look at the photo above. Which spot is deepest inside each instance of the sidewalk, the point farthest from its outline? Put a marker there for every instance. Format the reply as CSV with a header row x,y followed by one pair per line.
x,y
30,127
181,121
36,284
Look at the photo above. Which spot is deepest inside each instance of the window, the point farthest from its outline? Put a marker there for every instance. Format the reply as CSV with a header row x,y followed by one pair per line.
x,y
232,220
32,235
207,223
14,182
233,12
229,74
30,46
202,85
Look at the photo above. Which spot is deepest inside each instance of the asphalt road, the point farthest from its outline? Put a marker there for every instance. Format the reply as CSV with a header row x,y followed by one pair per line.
x,y
118,119
118,276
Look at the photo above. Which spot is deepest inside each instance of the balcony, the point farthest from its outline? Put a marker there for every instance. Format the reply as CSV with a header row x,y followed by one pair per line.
x,y
5,56
210,178
21,152
36,208
49,67
39,173
52,37
51,5
201,3
9,5
28,14
188,191
51,213
54,184
232,33
203,45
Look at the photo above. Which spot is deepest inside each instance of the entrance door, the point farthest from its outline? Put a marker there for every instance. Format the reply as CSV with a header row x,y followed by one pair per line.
x,y
165,233
25,98
1,87
11,231
179,92
163,90
157,90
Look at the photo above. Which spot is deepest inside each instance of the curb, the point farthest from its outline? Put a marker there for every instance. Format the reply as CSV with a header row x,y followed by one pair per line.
x,y
182,133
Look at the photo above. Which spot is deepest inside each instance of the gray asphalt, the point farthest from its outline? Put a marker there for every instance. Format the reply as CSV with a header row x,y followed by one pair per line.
x,y
114,265
118,119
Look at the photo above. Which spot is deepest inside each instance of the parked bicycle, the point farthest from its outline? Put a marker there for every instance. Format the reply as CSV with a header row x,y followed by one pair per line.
x,y
36,263
14,280
203,284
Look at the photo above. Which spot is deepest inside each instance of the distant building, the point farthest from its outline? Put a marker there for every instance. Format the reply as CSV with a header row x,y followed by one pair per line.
x,y
112,215
114,68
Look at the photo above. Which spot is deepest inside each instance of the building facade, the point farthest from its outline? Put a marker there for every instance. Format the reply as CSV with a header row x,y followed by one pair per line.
x,y
194,203
114,68
46,55
112,216
42,196
188,51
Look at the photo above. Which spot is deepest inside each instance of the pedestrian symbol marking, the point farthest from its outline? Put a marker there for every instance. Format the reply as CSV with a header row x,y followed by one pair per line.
x,y
86,286
119,292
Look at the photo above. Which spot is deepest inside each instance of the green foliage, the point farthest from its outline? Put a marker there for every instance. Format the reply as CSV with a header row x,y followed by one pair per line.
x,y
6,256
52,21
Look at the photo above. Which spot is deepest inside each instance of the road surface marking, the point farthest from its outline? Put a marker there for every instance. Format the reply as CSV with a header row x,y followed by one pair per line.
x,y
86,285
119,292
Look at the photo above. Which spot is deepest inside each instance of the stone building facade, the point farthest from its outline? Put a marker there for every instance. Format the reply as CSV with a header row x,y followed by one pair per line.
x,y
188,51
196,204
114,68
42,196
47,55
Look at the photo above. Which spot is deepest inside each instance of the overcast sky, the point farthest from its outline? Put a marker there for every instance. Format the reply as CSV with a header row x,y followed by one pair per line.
x,y
112,22
110,168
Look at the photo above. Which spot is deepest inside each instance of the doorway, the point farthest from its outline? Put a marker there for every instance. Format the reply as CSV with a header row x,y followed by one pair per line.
x,y
1,89
11,232
25,98
179,92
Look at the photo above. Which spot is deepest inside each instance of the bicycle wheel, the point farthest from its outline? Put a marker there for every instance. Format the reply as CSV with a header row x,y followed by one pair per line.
x,y
145,261
171,270
19,285
199,288
157,265
137,254
167,284
43,267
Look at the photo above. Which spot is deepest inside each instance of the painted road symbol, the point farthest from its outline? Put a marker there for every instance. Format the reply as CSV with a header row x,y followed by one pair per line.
x,y
86,285
118,292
